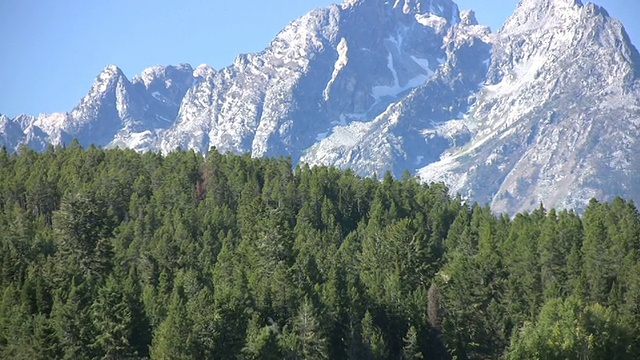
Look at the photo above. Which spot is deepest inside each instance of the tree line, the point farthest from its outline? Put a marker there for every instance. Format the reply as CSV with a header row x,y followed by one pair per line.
x,y
113,254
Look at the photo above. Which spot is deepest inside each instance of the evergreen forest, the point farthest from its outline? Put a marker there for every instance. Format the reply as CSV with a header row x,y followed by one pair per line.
x,y
114,254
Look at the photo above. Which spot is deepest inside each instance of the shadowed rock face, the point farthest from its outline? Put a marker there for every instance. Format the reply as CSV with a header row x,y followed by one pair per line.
x,y
546,110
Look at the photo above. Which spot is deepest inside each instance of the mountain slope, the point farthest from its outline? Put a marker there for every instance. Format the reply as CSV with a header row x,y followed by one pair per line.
x,y
545,110
417,128
558,120
325,70
115,112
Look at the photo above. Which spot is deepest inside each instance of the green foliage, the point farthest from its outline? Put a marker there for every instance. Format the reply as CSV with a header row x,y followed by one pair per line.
x,y
173,339
113,321
111,254
567,329
310,341
411,348
261,341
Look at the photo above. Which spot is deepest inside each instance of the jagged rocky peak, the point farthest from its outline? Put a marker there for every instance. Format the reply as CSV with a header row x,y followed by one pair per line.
x,y
111,69
530,14
25,120
303,36
106,80
468,17
446,9
163,75
534,6
556,120
540,31
109,72
4,119
550,13
564,23
204,71
167,84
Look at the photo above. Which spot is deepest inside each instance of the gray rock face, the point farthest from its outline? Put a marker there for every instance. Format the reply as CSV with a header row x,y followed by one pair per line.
x,y
558,120
10,132
545,110
323,71
115,112
419,123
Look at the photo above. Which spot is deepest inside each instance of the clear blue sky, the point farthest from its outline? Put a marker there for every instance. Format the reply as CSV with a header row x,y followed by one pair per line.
x,y
52,50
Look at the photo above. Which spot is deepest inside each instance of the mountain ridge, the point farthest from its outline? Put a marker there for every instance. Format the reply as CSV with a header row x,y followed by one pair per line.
x,y
531,166
427,89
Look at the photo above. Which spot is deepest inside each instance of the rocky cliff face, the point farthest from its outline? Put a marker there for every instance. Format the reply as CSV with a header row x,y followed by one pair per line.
x,y
420,122
115,112
558,119
545,110
333,68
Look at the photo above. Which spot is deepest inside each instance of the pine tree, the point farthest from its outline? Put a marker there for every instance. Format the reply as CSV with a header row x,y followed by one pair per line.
x,y
311,342
207,325
567,329
261,341
375,346
74,326
140,329
411,348
44,342
113,321
173,338
336,299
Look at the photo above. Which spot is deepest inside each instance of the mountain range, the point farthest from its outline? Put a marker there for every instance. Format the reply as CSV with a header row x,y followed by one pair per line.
x,y
545,110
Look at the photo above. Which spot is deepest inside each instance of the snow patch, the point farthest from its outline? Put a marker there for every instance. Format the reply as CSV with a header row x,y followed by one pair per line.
x,y
440,171
435,22
381,91
160,117
138,141
448,129
331,148
158,97
521,75
51,122
341,62
424,64
346,118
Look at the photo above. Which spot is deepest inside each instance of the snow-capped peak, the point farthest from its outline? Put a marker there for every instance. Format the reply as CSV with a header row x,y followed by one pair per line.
x,y
533,14
536,5
110,71
149,74
106,80
160,73
203,71
545,110
468,17
446,9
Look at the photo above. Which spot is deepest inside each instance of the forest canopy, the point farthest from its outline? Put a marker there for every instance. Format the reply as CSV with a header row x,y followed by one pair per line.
x,y
113,254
